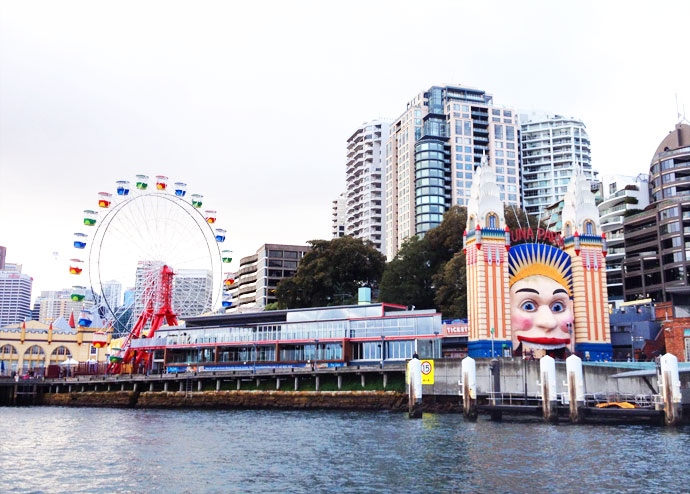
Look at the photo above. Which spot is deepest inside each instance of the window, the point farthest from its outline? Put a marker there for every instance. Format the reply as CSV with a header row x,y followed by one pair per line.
x,y
589,227
492,220
498,131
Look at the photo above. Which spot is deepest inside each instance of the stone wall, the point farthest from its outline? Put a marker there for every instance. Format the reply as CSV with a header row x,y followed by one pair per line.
x,y
355,400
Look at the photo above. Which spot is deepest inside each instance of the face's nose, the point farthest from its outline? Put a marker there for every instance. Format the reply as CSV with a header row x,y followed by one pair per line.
x,y
544,319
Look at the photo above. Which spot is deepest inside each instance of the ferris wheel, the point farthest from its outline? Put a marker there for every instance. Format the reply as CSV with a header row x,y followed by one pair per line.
x,y
156,245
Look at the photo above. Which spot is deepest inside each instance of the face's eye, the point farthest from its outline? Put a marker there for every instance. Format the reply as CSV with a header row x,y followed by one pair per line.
x,y
528,306
557,307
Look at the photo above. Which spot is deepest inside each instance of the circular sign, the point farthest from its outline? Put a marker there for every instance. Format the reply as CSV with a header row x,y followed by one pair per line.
x,y
426,368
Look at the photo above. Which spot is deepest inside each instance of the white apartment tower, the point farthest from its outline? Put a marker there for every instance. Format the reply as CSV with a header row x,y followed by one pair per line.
x,y
338,216
551,146
15,295
365,206
432,152
623,195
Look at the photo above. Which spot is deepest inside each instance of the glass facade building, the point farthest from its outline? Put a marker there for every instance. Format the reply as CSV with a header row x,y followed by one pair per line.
x,y
330,336
431,154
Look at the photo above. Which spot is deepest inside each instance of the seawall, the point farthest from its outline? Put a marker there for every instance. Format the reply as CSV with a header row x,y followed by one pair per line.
x,y
343,400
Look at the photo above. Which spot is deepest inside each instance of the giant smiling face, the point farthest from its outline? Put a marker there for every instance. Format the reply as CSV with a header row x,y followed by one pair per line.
x,y
541,315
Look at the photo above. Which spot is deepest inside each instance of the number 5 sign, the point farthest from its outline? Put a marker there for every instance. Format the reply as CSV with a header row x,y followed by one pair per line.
x,y
427,372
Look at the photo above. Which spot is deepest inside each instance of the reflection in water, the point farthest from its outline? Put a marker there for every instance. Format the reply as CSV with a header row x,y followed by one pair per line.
x,y
62,450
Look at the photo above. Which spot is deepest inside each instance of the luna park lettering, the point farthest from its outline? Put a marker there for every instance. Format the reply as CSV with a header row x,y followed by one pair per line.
x,y
542,235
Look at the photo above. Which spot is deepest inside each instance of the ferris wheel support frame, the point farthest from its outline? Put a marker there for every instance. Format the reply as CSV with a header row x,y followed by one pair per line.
x,y
163,314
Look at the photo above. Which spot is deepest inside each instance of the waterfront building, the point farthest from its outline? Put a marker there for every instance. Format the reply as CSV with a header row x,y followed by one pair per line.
x,y
657,240
431,154
365,206
338,216
15,294
552,147
321,336
260,273
623,195
34,346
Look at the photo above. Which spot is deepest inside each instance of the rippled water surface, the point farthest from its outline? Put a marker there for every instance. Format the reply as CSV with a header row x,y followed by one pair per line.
x,y
65,450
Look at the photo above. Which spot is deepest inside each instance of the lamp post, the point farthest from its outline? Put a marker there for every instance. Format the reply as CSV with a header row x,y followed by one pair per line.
x,y
383,349
433,354
316,352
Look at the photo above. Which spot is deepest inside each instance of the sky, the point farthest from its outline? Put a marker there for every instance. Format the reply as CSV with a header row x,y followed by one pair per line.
x,y
251,103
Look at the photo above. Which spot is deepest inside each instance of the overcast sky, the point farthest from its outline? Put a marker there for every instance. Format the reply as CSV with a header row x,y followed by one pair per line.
x,y
251,103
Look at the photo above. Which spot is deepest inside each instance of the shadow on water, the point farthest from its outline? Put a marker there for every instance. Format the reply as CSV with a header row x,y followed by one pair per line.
x,y
65,450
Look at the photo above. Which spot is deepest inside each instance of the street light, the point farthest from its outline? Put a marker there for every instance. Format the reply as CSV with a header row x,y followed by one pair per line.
x,y
383,349
492,342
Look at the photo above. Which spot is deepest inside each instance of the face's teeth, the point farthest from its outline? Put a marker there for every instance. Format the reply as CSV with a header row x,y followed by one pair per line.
x,y
539,346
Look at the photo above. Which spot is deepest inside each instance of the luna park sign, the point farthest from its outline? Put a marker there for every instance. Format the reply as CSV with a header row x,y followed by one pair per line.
x,y
520,235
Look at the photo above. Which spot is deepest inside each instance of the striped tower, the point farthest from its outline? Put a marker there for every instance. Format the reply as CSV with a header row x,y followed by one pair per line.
x,y
486,243
586,245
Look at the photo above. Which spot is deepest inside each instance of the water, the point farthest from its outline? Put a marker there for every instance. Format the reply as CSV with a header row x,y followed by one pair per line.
x,y
64,450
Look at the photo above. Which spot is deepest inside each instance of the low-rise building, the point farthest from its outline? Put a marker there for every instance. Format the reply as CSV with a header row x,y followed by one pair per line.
x,y
34,346
259,275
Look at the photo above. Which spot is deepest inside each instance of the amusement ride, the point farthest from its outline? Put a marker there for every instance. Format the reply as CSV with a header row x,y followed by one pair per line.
x,y
155,237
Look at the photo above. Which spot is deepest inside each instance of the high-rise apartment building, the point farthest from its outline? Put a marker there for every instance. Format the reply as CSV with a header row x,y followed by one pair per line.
x,y
657,240
192,289
338,216
192,292
431,154
15,295
623,195
552,146
3,253
112,293
55,304
365,206
259,275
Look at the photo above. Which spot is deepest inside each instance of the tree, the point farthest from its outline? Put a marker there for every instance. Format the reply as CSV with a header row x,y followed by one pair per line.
x,y
409,277
451,288
331,272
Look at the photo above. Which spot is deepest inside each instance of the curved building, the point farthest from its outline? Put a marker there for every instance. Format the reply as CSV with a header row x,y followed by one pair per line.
x,y
657,241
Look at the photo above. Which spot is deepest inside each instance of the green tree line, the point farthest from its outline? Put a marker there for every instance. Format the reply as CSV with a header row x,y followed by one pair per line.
x,y
427,272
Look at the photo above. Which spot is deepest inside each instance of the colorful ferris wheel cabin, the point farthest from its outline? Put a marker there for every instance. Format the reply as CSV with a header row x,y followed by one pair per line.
x,y
122,187
80,240
220,235
142,182
78,293
104,199
226,255
210,216
227,301
76,266
180,189
90,217
196,200
85,318
229,281
100,339
161,182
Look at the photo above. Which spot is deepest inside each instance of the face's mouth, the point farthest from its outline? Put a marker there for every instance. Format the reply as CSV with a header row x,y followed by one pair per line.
x,y
543,342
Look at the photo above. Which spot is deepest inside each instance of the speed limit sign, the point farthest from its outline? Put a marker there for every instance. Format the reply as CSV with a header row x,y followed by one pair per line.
x,y
427,372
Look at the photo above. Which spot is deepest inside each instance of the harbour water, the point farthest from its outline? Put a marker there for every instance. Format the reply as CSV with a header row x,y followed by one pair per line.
x,y
91,450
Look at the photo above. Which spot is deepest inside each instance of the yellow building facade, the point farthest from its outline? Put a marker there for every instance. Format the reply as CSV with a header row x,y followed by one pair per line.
x,y
33,346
